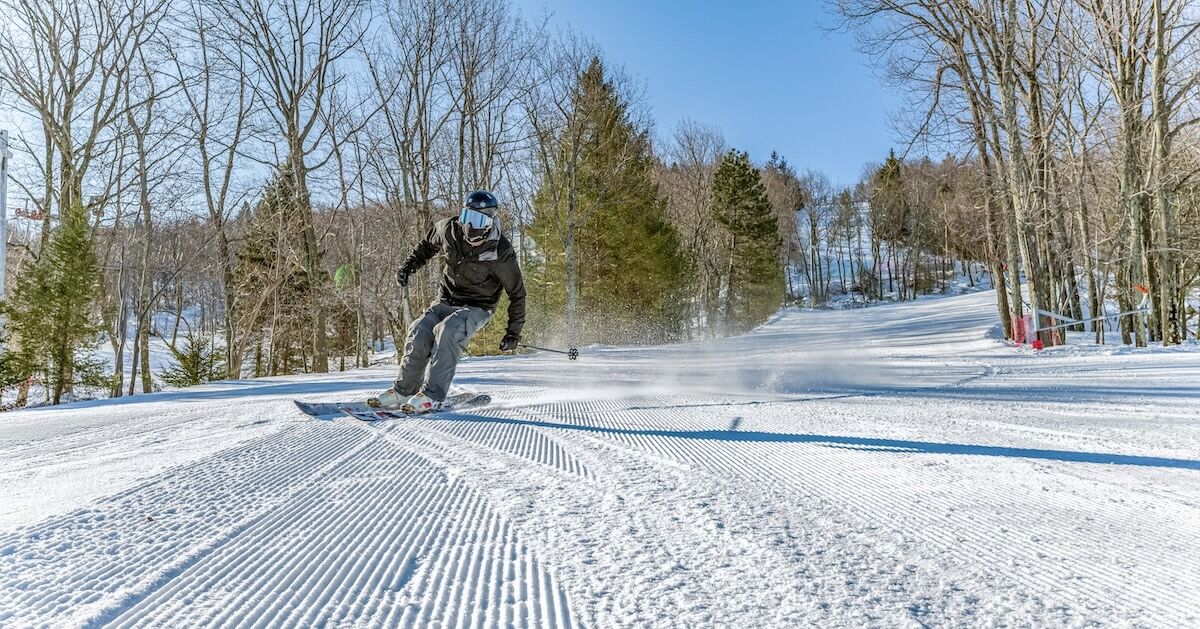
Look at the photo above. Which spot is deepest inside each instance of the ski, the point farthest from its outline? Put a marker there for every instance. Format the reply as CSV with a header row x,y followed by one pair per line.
x,y
364,412
331,410
456,404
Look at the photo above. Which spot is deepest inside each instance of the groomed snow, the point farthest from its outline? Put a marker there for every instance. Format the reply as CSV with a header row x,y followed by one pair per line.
x,y
894,466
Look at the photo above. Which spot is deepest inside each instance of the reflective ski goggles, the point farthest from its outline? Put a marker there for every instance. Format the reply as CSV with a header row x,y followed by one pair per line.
x,y
474,219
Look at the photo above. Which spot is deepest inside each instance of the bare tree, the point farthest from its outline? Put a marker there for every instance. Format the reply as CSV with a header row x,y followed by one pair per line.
x,y
409,74
214,87
69,66
691,156
292,50
67,63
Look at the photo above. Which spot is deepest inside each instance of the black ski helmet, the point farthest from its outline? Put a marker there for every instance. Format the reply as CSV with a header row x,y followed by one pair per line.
x,y
478,215
481,199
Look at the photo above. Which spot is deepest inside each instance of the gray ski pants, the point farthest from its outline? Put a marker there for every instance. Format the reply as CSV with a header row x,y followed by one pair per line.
x,y
441,334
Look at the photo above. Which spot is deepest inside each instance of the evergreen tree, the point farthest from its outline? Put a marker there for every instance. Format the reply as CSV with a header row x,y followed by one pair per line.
x,y
754,281
888,200
601,230
889,219
51,314
274,294
196,363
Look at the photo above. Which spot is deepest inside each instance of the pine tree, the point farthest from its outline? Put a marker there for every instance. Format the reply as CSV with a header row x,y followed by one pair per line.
x,y
12,371
197,362
51,314
889,220
601,230
754,279
274,293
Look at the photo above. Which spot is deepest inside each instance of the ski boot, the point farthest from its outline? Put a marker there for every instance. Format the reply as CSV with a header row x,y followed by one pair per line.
x,y
420,404
388,399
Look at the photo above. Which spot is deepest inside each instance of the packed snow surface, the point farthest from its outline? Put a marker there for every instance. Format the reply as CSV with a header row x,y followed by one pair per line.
x,y
895,466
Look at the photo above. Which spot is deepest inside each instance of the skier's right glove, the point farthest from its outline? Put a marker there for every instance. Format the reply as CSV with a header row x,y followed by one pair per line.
x,y
402,277
509,342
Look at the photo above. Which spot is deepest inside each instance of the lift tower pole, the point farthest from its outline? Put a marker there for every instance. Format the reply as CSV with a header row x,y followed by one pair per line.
x,y
4,157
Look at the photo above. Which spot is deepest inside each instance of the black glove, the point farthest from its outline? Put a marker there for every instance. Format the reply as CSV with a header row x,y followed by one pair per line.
x,y
402,277
509,342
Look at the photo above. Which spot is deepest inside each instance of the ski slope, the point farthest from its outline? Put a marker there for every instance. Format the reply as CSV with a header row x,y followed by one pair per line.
x,y
895,466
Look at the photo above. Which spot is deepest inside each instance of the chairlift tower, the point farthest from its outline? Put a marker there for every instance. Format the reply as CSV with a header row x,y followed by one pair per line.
x,y
4,157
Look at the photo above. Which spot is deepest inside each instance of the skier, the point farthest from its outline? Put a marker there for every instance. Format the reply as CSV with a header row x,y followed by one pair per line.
x,y
479,262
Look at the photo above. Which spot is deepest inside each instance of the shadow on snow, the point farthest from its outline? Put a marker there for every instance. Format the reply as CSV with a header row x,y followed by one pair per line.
x,y
233,389
852,443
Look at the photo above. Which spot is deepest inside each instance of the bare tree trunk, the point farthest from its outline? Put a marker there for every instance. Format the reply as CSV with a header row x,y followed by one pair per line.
x,y
572,271
135,356
1095,305
1017,165
1168,292
1133,231
147,375
729,285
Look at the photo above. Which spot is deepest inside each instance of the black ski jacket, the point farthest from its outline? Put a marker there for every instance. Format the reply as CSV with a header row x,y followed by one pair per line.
x,y
473,276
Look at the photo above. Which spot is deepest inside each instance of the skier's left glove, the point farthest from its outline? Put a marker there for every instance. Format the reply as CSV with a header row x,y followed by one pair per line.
x,y
509,342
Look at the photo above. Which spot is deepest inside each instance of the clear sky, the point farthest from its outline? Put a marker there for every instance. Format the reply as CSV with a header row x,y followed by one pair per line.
x,y
768,73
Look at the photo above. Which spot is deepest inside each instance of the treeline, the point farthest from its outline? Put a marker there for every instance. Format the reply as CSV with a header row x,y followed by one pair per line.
x,y
238,180
907,228
1076,126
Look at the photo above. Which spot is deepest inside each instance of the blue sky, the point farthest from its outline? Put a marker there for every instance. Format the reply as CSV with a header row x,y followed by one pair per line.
x,y
768,73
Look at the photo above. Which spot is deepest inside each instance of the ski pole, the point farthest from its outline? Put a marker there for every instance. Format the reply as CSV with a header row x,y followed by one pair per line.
x,y
572,353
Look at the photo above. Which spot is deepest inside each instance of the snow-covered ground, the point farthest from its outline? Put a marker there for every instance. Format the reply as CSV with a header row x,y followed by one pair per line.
x,y
894,466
